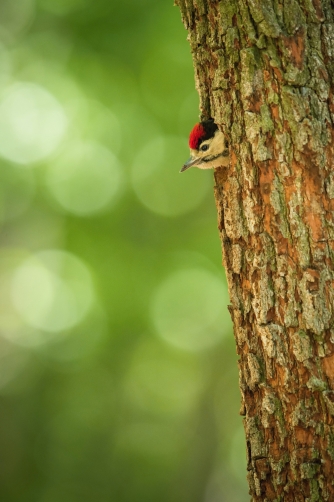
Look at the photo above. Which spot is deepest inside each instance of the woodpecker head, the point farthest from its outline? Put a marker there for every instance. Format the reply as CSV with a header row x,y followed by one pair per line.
x,y
208,147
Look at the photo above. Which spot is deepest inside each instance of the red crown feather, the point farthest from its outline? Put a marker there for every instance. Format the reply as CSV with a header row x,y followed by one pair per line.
x,y
196,135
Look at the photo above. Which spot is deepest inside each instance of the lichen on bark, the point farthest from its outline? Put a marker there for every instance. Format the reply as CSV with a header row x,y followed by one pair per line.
x,y
264,70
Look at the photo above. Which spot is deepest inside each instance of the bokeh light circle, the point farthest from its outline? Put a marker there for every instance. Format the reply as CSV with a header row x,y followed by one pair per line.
x,y
85,178
52,290
32,123
186,308
159,185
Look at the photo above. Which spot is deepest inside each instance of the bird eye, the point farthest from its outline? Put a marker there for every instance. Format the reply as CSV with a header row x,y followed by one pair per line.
x,y
204,148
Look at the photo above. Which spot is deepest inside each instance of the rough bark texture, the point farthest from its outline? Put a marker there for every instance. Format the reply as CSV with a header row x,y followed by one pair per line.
x,y
264,70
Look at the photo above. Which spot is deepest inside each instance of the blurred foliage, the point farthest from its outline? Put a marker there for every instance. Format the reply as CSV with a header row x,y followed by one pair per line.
x,y
118,371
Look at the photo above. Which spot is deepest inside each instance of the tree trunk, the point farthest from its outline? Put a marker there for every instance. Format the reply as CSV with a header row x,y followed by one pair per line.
x,y
265,72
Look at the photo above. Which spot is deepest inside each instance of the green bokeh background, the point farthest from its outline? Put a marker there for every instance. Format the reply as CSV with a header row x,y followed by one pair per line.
x,y
118,373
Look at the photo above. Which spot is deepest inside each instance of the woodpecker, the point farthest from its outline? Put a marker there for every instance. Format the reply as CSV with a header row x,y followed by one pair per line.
x,y
208,147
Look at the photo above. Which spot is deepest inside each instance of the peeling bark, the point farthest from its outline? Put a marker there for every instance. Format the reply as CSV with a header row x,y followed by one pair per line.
x,y
264,70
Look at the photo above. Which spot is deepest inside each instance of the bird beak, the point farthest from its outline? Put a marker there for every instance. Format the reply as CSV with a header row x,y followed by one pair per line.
x,y
190,162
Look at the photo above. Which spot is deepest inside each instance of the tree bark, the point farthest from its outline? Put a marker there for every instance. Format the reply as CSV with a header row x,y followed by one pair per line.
x,y
264,71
